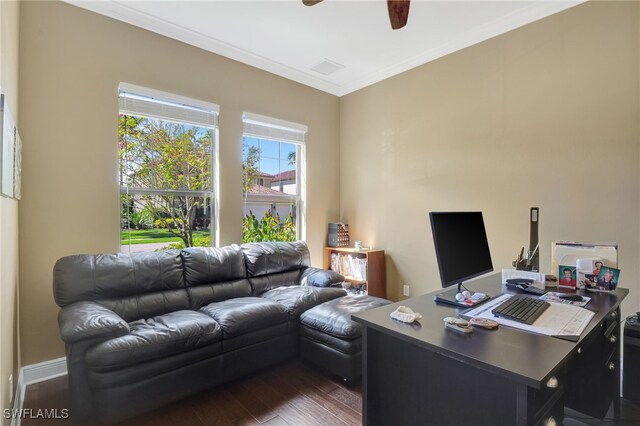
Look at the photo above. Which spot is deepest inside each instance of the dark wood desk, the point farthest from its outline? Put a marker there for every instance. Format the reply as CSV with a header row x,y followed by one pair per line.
x,y
422,373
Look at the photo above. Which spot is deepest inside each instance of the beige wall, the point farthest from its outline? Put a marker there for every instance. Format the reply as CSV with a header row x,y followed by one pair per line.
x,y
9,352
546,115
71,63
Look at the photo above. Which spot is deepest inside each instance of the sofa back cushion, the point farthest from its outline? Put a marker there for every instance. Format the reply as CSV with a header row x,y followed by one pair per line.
x,y
271,258
214,274
276,264
268,282
135,285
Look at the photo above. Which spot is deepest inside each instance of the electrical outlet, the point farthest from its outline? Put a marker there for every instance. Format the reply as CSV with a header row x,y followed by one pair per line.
x,y
10,388
405,290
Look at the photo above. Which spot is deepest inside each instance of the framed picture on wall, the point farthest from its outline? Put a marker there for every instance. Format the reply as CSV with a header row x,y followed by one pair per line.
x,y
17,167
8,148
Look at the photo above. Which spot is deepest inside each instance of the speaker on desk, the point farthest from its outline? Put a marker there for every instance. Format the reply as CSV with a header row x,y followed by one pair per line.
x,y
631,366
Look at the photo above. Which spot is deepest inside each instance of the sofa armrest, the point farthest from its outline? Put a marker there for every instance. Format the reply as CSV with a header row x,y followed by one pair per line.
x,y
315,277
89,320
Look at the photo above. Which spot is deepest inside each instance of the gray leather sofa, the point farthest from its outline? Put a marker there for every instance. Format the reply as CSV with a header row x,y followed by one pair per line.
x,y
144,329
331,340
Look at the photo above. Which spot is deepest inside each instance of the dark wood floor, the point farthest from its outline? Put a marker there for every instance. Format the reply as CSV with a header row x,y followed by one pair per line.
x,y
291,394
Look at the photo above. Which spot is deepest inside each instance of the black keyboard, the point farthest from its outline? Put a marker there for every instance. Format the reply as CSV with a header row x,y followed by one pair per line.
x,y
521,308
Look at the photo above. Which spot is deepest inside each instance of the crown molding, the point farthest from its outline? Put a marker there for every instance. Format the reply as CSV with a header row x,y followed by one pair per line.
x,y
124,13
476,35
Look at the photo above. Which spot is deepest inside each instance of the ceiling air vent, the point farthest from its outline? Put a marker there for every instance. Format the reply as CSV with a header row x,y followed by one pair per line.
x,y
327,67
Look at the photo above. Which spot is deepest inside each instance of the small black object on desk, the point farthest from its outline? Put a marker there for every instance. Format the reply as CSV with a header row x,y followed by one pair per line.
x,y
516,281
524,284
571,297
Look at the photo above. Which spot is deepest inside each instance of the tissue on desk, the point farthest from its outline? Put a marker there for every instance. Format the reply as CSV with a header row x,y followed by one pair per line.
x,y
405,314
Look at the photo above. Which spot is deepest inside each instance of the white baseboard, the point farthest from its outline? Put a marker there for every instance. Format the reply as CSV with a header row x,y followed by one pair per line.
x,y
18,398
35,373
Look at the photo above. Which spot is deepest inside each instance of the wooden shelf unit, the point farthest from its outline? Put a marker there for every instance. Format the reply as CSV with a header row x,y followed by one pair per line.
x,y
376,279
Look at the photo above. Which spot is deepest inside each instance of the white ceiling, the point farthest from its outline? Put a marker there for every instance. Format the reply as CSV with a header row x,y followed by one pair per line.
x,y
288,39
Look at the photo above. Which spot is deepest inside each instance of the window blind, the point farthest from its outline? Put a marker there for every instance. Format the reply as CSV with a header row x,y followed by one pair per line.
x,y
271,128
153,106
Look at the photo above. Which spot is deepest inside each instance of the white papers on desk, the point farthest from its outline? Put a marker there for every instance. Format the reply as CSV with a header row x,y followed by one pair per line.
x,y
559,320
554,297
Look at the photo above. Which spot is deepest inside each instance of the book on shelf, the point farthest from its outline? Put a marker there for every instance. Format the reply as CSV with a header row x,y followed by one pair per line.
x,y
352,266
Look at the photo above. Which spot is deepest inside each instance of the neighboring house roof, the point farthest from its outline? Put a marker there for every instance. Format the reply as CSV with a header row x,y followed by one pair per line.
x,y
287,175
263,174
259,189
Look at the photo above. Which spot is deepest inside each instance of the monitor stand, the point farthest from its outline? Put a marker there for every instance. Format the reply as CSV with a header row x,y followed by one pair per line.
x,y
448,297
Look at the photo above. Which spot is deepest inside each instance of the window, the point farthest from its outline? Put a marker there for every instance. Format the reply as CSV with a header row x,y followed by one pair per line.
x,y
273,180
167,148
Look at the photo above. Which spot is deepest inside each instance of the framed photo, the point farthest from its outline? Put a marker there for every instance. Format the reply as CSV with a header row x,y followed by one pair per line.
x,y
8,148
586,279
607,279
590,281
567,276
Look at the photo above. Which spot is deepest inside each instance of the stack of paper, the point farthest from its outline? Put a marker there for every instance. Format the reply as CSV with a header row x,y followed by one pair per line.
x,y
563,321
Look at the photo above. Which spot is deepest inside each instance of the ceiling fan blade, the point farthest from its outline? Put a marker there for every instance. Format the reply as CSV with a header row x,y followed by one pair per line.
x,y
398,12
310,2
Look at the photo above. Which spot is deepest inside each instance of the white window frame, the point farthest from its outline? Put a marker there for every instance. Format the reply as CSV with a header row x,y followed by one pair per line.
x,y
273,129
194,112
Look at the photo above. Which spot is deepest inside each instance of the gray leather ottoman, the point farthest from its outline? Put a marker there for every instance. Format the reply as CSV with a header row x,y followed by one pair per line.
x,y
331,340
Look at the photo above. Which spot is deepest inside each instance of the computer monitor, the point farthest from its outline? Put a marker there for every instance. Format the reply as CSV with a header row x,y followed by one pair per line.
x,y
462,249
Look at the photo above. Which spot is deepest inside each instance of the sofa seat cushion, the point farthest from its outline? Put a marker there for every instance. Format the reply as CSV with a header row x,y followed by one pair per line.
x,y
153,338
347,346
334,317
245,314
148,370
230,344
297,299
